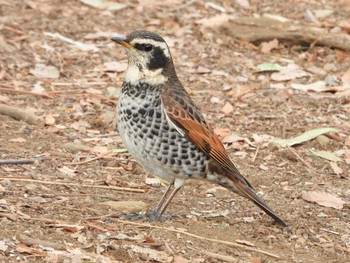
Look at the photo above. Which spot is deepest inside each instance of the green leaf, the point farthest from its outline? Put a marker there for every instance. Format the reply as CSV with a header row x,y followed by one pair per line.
x,y
326,155
306,136
268,67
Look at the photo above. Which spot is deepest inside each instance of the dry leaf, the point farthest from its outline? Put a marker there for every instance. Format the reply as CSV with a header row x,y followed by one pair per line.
x,y
223,132
19,140
50,120
347,141
179,259
266,47
228,108
323,199
232,138
336,169
215,21
256,260
291,71
44,71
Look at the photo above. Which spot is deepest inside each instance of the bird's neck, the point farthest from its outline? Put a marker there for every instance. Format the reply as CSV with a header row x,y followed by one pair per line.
x,y
135,75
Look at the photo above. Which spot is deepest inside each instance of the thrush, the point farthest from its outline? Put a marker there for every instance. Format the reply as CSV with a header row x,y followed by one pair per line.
x,y
165,131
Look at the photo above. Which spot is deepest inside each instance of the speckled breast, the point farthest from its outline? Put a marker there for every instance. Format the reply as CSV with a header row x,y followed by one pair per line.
x,y
152,140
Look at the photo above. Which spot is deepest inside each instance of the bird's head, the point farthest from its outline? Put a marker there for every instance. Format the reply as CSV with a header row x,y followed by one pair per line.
x,y
149,58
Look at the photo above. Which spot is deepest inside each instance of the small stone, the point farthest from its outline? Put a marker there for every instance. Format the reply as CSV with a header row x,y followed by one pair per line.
x,y
322,140
126,206
330,67
75,147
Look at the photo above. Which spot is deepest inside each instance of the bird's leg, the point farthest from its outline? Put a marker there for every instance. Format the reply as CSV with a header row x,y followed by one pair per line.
x,y
157,214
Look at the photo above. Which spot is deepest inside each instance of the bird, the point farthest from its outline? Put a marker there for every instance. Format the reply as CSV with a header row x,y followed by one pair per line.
x,y
165,131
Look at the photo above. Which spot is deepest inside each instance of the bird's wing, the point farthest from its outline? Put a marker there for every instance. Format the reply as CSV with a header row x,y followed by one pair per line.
x,y
188,120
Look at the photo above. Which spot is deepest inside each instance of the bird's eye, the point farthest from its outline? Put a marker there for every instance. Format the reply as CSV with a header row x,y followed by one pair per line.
x,y
147,47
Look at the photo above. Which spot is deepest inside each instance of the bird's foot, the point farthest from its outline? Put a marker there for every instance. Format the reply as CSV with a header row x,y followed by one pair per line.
x,y
149,216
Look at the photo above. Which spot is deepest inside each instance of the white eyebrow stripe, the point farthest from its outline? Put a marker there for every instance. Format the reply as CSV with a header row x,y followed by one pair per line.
x,y
154,43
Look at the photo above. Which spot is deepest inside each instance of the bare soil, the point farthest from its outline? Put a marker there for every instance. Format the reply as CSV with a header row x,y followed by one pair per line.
x,y
59,200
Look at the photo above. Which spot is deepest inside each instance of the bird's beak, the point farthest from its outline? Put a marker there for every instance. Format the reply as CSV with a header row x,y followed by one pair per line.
x,y
122,41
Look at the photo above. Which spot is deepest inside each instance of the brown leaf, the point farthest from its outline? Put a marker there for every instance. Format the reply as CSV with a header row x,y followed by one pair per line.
x,y
179,259
256,260
22,248
336,169
50,120
266,47
223,132
215,21
323,199
19,140
228,108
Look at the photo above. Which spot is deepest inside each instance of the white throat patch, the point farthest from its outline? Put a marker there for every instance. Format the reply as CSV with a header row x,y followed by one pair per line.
x,y
152,77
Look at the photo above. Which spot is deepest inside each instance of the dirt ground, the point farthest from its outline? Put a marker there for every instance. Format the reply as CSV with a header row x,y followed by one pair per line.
x,y
62,207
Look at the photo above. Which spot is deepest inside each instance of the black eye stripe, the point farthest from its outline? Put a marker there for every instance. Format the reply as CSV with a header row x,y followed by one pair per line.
x,y
144,47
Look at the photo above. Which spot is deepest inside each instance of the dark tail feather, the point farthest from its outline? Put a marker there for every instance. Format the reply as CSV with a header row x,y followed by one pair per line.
x,y
251,195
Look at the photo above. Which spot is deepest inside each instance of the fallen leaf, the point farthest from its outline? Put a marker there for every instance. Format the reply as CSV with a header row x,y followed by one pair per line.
x,y
324,199
50,120
306,136
179,259
266,47
113,66
44,71
256,260
127,206
222,132
159,256
228,108
215,21
232,138
67,171
153,181
243,3
104,4
290,72
267,67
336,169
3,246
22,248
19,140
347,141
326,155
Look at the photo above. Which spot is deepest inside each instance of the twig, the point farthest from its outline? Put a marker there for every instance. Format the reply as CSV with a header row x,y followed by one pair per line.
x,y
232,244
90,160
299,157
13,90
219,256
123,189
22,161
256,154
37,242
20,114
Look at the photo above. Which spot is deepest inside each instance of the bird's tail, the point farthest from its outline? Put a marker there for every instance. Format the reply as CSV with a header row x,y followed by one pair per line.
x,y
248,192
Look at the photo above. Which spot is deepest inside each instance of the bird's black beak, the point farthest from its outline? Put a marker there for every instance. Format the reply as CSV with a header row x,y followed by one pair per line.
x,y
122,41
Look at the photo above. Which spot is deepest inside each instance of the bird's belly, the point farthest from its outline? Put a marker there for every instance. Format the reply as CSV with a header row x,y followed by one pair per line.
x,y
156,146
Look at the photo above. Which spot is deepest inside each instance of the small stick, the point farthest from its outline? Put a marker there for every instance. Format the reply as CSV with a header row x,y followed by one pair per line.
x,y
299,157
13,90
22,161
219,256
232,244
333,137
90,160
20,114
37,242
123,189
256,154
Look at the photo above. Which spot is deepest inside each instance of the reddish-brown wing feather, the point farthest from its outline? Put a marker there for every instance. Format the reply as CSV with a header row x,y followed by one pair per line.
x,y
186,116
